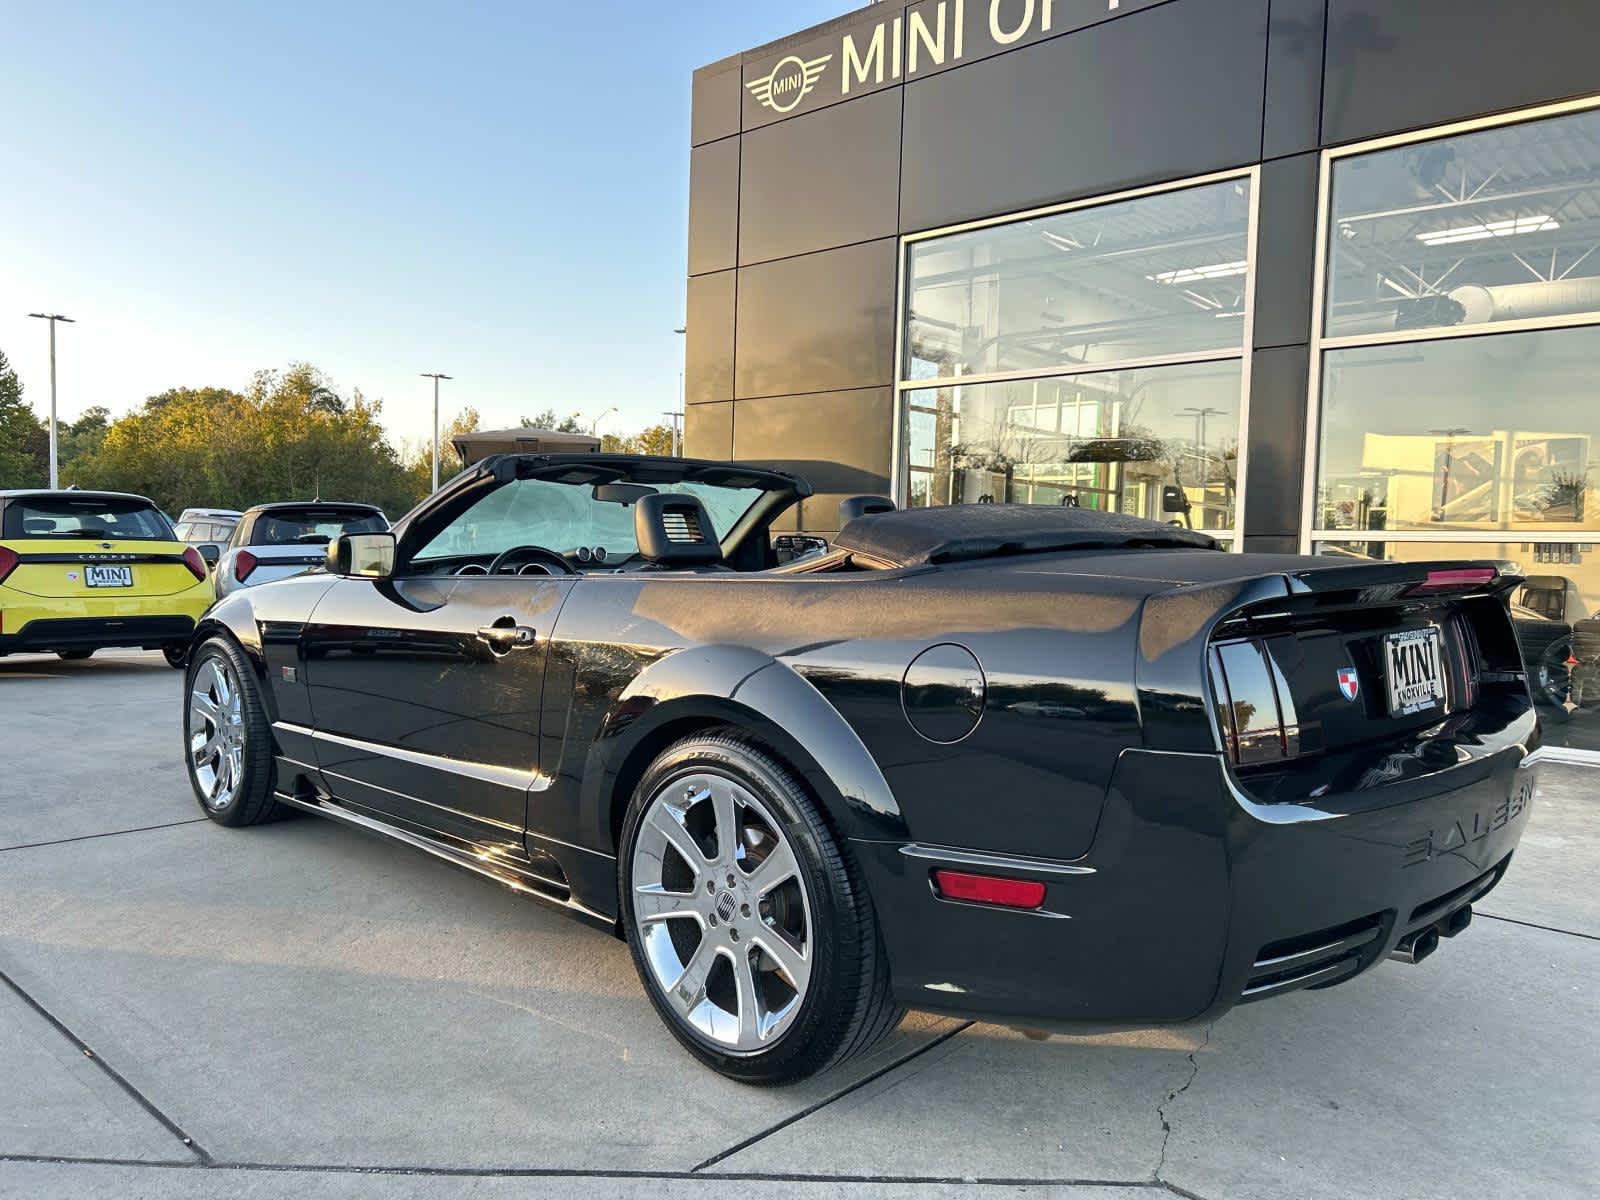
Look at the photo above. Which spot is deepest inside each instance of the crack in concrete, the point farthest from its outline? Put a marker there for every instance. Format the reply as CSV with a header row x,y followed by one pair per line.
x,y
1161,1109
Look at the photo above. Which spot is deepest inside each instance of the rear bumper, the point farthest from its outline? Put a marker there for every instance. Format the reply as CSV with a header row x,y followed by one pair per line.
x,y
1193,898
96,633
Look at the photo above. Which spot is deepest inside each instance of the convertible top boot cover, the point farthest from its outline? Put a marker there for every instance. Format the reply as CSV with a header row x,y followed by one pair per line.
x,y
959,533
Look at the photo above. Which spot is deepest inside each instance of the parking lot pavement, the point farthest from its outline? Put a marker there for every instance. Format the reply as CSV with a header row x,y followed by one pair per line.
x,y
322,1014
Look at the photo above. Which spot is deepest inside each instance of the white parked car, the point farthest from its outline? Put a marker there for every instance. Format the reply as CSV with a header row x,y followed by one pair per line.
x,y
275,541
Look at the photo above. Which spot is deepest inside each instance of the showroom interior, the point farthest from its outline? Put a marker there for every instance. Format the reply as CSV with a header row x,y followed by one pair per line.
x,y
1312,275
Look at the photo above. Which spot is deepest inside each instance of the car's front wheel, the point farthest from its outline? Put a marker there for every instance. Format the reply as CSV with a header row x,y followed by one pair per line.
x,y
74,655
755,939
226,737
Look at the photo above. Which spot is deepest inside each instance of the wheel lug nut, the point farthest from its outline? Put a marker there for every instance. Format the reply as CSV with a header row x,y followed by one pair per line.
x,y
711,886
733,933
730,878
713,919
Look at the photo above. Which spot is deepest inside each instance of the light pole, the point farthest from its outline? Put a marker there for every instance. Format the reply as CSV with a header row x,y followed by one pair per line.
x,y
594,425
435,376
52,318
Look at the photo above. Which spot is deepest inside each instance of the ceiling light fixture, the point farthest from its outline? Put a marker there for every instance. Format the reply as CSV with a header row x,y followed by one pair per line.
x,y
1511,227
1196,274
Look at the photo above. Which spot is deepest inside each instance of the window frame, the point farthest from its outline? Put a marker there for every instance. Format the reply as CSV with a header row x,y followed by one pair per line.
x,y
1321,344
899,474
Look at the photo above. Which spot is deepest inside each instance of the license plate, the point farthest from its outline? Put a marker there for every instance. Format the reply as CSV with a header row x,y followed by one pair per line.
x,y
1416,671
108,576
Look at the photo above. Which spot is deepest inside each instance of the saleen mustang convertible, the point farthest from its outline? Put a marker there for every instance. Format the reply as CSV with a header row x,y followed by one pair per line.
x,y
1056,768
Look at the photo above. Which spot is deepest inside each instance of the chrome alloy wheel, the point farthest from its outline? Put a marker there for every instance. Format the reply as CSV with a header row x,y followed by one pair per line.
x,y
722,913
216,732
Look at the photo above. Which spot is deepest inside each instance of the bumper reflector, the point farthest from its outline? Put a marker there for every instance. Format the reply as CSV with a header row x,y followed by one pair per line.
x,y
988,889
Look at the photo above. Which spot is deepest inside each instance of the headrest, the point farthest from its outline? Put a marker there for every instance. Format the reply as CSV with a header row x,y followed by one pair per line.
x,y
38,525
674,530
852,507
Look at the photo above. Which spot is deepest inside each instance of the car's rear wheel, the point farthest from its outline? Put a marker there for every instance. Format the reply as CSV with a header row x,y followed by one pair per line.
x,y
177,656
74,655
755,939
226,737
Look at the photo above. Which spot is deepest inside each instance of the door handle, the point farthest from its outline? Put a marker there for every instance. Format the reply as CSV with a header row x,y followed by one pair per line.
x,y
504,638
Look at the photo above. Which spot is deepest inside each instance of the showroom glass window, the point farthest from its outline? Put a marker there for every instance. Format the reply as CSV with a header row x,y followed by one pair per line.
x,y
1092,356
1456,396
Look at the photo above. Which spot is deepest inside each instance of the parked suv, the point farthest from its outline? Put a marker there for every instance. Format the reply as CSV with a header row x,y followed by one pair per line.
x,y
207,530
275,541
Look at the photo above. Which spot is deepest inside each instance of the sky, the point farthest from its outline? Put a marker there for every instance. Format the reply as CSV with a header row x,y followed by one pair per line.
x,y
495,191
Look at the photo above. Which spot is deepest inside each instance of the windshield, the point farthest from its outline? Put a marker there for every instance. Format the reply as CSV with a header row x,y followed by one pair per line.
x,y
564,516
313,526
85,517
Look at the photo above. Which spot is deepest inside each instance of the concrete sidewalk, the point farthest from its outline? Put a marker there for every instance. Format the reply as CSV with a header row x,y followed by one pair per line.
x,y
299,1010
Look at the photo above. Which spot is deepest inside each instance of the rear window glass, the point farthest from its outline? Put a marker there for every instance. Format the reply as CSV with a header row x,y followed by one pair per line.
x,y
85,517
313,526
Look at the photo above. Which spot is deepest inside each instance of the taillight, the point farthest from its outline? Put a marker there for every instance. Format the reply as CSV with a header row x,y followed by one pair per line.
x,y
243,563
8,562
988,889
192,560
1453,579
1254,707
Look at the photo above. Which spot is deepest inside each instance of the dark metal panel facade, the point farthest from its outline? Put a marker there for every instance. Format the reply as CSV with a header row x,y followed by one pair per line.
x,y
1293,113
826,179
709,429
839,441
716,102
708,343
1284,267
817,323
714,206
1276,440
1157,95
1394,67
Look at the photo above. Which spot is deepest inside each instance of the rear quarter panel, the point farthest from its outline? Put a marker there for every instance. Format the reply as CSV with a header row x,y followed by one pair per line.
x,y
1057,656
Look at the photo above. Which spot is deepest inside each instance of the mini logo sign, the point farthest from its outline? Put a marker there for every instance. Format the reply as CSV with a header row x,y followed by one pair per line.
x,y
788,83
1349,683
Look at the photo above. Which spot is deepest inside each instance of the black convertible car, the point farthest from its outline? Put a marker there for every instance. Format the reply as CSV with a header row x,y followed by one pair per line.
x,y
1056,768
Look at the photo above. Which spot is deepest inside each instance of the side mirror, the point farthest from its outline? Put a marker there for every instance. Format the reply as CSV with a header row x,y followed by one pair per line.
x,y
210,551
365,555
1174,499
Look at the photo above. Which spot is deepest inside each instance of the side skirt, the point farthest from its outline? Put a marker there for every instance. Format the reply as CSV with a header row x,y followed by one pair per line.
x,y
503,874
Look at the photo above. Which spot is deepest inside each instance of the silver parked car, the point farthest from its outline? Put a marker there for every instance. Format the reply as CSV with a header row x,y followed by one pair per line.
x,y
207,530
275,541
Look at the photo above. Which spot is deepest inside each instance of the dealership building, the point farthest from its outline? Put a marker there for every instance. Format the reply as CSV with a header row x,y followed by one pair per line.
x,y
1312,275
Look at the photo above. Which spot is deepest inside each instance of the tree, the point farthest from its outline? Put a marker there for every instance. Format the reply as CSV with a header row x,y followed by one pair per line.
x,y
419,461
24,440
656,439
75,439
548,420
292,435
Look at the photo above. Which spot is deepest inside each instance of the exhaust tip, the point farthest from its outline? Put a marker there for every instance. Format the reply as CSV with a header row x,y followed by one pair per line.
x,y
1415,947
1456,921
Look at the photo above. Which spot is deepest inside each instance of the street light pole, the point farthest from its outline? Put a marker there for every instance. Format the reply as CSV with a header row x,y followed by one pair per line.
x,y
53,318
435,376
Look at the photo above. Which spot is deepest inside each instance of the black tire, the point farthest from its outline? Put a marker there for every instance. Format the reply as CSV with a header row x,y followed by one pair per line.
x,y
74,655
847,1006
177,656
251,802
